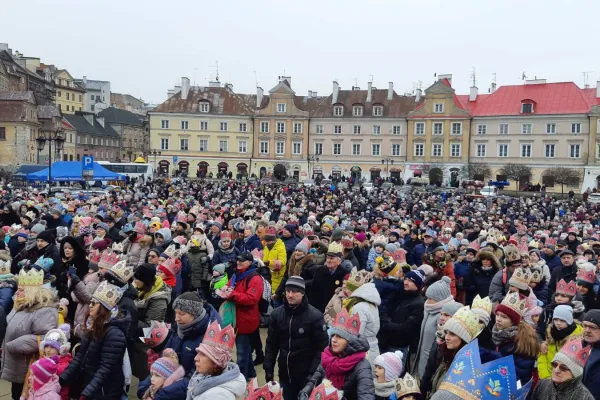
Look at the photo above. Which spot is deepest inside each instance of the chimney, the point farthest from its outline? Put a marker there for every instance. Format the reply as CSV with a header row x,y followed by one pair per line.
x,y
85,81
336,92
535,81
598,89
310,94
214,84
493,87
391,91
100,121
288,79
314,94
473,93
369,92
259,96
170,93
185,87
418,95
446,76
229,87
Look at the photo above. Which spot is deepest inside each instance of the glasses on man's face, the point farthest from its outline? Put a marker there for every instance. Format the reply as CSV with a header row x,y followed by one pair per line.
x,y
561,367
591,327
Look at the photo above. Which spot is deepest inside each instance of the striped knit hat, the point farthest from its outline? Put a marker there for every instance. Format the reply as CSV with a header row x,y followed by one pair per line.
x,y
164,366
43,370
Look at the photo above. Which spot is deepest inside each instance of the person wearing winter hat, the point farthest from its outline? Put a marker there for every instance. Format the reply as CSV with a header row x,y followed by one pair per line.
x,y
448,311
56,344
218,281
301,263
275,257
390,248
591,337
567,370
46,384
562,329
154,295
388,368
164,372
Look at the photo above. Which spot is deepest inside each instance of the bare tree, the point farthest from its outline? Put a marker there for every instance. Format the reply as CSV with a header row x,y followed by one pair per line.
x,y
563,176
476,170
516,172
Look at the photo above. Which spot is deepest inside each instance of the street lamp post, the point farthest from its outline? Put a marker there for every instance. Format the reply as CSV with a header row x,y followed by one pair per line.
x,y
313,159
155,153
387,161
56,136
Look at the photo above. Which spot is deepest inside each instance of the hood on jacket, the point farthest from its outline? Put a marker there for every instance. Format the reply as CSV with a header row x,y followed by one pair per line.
x,y
165,233
355,345
490,255
368,292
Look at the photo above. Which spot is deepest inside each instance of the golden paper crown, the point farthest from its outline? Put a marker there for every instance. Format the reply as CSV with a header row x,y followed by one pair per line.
x,y
358,278
514,302
406,385
122,271
108,295
336,248
512,254
117,247
536,275
484,304
522,275
464,324
4,267
33,277
380,238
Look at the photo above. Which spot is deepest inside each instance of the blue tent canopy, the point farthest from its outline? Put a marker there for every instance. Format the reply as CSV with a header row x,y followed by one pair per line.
x,y
71,171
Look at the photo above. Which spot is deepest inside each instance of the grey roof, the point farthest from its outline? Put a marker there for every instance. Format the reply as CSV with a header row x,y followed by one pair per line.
x,y
48,112
81,124
17,96
115,115
91,84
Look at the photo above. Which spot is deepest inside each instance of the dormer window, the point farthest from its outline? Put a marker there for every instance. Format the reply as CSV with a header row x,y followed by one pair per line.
x,y
377,111
438,108
527,108
357,111
338,111
204,107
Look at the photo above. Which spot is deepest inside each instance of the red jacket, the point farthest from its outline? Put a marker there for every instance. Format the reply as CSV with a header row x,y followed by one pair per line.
x,y
246,296
449,272
63,363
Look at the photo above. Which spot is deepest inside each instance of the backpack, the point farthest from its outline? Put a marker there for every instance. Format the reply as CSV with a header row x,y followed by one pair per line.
x,y
265,300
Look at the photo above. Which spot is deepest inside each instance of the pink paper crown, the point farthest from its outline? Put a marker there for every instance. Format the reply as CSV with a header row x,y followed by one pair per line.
x,y
523,248
156,334
586,275
182,217
347,323
263,393
400,256
323,392
219,338
108,258
172,265
570,289
551,241
94,256
474,245
347,243
572,230
139,228
575,351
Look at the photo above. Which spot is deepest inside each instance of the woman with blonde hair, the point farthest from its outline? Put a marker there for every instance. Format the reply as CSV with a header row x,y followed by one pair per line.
x,y
35,312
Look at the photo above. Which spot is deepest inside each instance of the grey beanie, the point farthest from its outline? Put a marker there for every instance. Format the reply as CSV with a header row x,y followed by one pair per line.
x,y
439,290
296,282
451,308
302,246
190,303
337,234
391,247
38,228
564,313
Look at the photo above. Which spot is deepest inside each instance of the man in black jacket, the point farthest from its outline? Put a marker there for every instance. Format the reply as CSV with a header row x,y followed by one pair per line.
x,y
297,332
327,278
567,271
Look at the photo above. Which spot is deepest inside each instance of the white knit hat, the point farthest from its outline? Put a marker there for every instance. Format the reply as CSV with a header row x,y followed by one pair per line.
x,y
392,363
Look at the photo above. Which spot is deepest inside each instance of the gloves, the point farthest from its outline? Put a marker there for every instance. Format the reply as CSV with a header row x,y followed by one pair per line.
x,y
303,396
72,271
268,376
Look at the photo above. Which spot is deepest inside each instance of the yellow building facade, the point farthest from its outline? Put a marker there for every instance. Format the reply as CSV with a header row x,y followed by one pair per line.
x,y
18,125
69,95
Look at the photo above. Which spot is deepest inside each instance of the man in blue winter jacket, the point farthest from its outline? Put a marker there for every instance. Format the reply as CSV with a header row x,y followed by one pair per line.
x,y
591,336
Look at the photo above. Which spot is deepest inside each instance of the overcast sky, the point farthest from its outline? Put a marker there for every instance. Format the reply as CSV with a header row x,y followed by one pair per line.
x,y
144,47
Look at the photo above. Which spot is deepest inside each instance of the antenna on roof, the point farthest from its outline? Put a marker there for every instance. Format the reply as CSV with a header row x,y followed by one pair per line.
x,y
586,75
473,80
255,78
216,66
523,77
371,77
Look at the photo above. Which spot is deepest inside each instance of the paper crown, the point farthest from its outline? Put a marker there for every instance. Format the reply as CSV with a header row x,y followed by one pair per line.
x,y
347,324
358,278
514,302
31,278
583,274
257,254
569,289
521,275
399,256
523,249
172,251
270,231
122,271
270,391
172,265
575,351
484,304
139,227
156,334
474,245
108,295
347,242
117,247
219,338
108,259
95,256
464,323
551,241
326,391
536,275
406,385
512,254
468,379
335,248
4,267
533,243
225,235
182,217
380,239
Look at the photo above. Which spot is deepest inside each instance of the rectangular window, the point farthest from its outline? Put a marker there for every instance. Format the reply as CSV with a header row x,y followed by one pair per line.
x,y
203,144
204,107
264,127
78,140
337,129
503,150
203,125
420,128
481,129
223,126
318,149
436,150
503,129
549,150
280,127
376,130
457,128
59,93
575,151
319,128
280,107
481,150
395,149
223,146
338,111
164,124
264,147
397,130
356,129
548,181
68,96
597,150
2,133
526,150
296,148
185,125
279,148
419,149
242,146
297,127
356,149
243,127
67,107
337,149
526,129
92,97
527,108
164,143
438,128
378,111
81,99
576,127
183,144
375,149
357,111
551,128
438,108
455,150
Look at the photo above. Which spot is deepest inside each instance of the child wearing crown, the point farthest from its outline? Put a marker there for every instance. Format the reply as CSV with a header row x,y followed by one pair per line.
x,y
164,372
565,294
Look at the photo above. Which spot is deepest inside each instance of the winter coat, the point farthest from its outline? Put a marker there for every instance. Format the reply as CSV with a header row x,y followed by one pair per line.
x,y
99,363
404,321
567,273
499,286
478,280
82,291
49,391
362,255
351,258
371,258
246,296
231,386
137,250
570,390
323,286
186,351
552,261
427,337
334,306
15,246
544,360
251,243
153,307
368,312
225,257
278,252
25,327
127,306
8,288
298,335
524,365
199,263
304,267
389,290
591,371
420,250
358,383
541,292
290,244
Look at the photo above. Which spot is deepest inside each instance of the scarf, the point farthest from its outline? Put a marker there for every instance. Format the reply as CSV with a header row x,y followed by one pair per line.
x,y
437,307
384,389
336,368
560,334
236,278
182,329
201,383
500,336
158,283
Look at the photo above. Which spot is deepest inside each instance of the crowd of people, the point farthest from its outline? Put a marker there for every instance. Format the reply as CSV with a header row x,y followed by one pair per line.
x,y
361,295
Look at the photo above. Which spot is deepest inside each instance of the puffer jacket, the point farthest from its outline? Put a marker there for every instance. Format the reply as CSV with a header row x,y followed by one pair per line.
x,y
99,363
251,243
368,313
570,390
8,288
199,262
297,334
137,250
358,383
25,327
398,330
50,391
246,295
185,347
230,385
371,258
278,252
81,293
389,289
362,255
222,256
478,281
544,360
499,285
153,307
290,243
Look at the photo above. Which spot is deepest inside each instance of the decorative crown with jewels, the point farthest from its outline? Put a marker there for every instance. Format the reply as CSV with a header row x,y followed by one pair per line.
x,y
4,267
122,271
569,289
346,325
471,380
522,275
484,304
536,275
358,278
583,274
336,248
117,247
514,302
406,385
108,259
474,245
347,242
326,391
108,295
172,251
156,334
219,338
33,277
